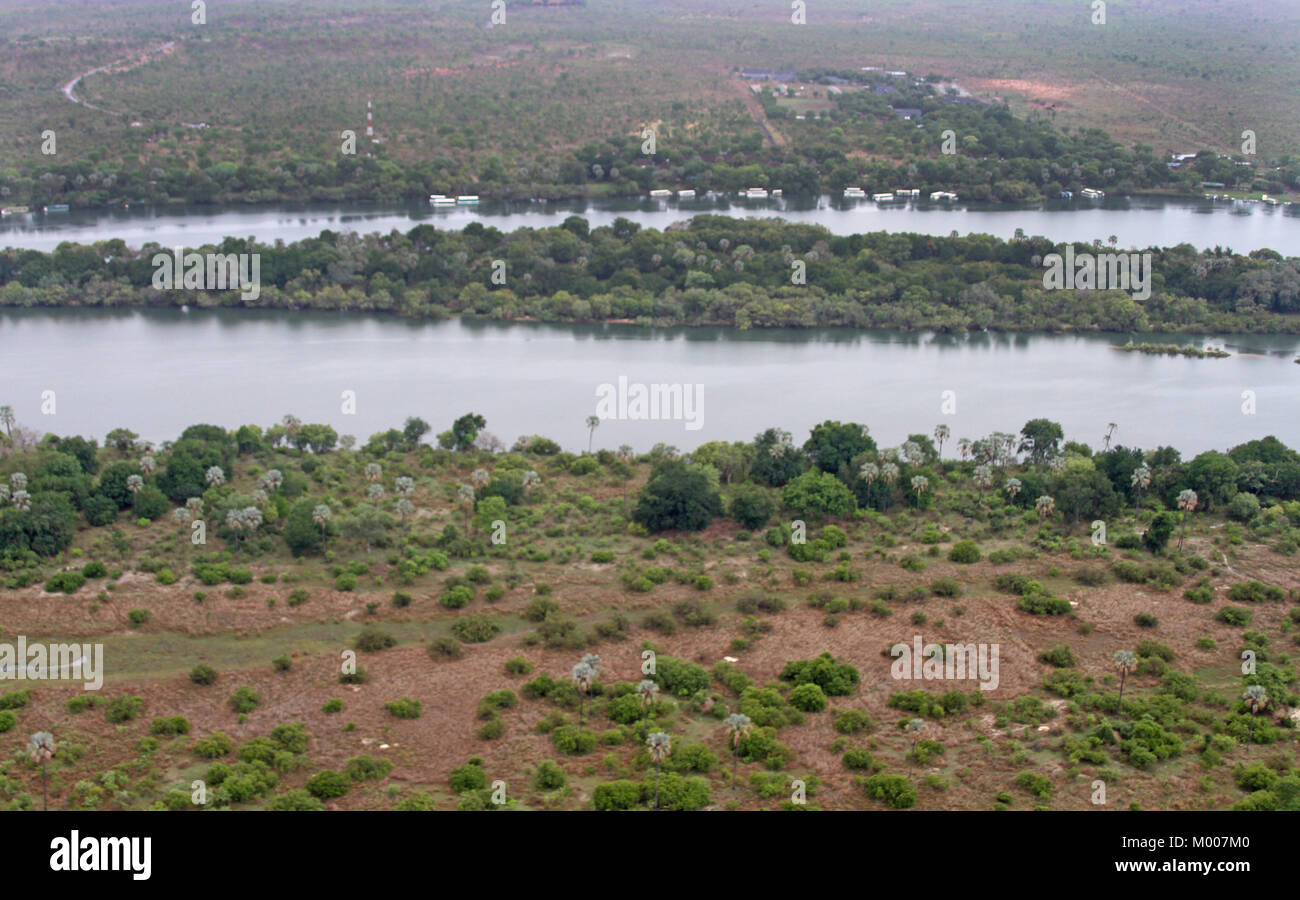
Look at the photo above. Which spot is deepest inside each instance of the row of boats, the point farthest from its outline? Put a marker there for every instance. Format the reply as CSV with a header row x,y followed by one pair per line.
x,y
444,200
857,193
8,211
1266,199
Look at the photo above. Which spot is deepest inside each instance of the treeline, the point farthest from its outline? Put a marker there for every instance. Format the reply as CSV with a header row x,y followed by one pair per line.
x,y
712,270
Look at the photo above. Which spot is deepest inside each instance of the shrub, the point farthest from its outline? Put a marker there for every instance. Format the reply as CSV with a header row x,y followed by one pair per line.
x,y
945,587
169,725
68,582
1255,592
328,784
372,640
124,708
852,721
444,647
808,697
137,617
295,800
366,768
345,582
457,597
895,790
8,719
244,699
549,776
1060,656
571,740
965,552
282,663
617,795
1234,615
680,678
834,678
331,706
1039,785
405,708
1145,620
859,759
476,628
469,777
203,674
517,665
214,745
94,569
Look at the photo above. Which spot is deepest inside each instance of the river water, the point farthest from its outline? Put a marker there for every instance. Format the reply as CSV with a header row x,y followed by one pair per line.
x,y
1135,222
157,371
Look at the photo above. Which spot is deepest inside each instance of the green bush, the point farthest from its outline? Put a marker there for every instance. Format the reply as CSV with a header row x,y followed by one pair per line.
x,y
1060,656
1234,615
328,784
244,699
549,776
295,800
808,697
852,721
68,582
214,745
405,708
517,665
371,640
8,719
169,725
476,628
859,759
94,569
964,552
895,790
617,795
366,768
834,678
457,597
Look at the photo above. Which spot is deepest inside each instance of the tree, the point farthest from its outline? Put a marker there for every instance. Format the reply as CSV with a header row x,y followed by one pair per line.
x,y
593,422
1044,505
1041,438
648,690
1013,488
1125,660
321,515
752,506
677,496
941,434
373,472
983,478
1187,501
1257,697
414,431
465,430
1213,476
7,419
148,465
368,524
964,448
832,445
214,476
776,459
465,496
41,748
1160,531
122,438
1140,480
739,726
660,745
1110,431
816,494
919,485
582,675
914,727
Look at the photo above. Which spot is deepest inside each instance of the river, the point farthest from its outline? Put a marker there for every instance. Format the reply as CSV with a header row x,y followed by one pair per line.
x,y
157,371
1136,222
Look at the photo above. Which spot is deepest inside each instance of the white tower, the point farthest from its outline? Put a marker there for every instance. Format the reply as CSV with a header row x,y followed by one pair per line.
x,y
370,122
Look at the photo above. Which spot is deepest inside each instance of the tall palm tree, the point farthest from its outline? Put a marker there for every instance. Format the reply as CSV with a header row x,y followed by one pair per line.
x,y
1141,480
292,425
260,497
1110,430
375,492
1044,505
373,472
1187,501
134,484
593,422
214,476
889,472
272,481
321,516
405,508
963,447
404,485
7,419
465,496
148,464
18,481
941,434
919,484
869,472
195,505
983,478
1013,488
738,726
22,500
582,676
914,727
41,747
648,691
1125,660
235,521
660,745
480,478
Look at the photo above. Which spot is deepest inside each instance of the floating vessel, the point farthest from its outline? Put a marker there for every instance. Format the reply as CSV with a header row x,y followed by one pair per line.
x,y
13,210
854,192
908,192
1092,194
882,198
756,193
687,194
467,198
777,192
440,200
660,193
56,207
943,195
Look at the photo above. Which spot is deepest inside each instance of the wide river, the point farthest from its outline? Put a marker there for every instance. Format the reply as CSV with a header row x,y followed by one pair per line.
x,y
1135,222
157,371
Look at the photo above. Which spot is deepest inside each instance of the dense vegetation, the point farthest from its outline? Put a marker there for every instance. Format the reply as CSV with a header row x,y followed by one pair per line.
x,y
713,269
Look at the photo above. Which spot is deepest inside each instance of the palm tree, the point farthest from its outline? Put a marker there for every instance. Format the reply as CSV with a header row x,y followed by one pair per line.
x,y
134,483
1257,697
404,485
1013,488
479,478
373,471
1110,430
582,676
7,419
530,480
869,472
738,726
919,484
1141,480
405,508
914,726
983,477
648,691
889,472
18,481
963,447
465,495
235,522
147,465
214,476
1187,501
593,422
660,745
375,492
912,452
259,497
321,516
292,424
1044,505
273,480
195,505
41,747
1125,660
22,500
941,434
4,493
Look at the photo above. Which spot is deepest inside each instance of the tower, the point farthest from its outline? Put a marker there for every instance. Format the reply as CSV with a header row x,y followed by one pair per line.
x,y
370,121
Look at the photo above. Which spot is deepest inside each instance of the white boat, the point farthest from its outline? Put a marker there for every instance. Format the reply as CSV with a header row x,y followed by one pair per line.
x,y
687,194
777,192
756,193
660,193
433,197
908,192
444,201
1092,194
467,198
943,195
855,192
882,198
